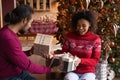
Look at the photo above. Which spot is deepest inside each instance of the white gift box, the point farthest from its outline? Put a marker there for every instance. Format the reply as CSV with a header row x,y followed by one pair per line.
x,y
42,44
67,61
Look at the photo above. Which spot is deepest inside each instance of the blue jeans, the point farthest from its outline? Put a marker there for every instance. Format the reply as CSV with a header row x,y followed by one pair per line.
x,y
23,76
75,76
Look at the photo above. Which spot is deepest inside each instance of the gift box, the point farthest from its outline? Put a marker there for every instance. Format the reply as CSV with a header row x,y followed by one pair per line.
x,y
42,44
66,61
101,70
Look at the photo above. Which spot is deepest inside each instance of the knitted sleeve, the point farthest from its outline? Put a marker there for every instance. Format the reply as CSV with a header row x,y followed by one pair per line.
x,y
65,46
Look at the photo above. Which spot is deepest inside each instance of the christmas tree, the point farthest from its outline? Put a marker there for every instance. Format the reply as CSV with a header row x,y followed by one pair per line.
x,y
108,12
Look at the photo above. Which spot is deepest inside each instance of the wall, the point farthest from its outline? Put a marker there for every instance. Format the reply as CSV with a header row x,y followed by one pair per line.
x,y
7,6
52,12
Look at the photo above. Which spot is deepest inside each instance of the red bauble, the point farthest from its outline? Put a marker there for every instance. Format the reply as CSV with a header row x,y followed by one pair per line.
x,y
112,44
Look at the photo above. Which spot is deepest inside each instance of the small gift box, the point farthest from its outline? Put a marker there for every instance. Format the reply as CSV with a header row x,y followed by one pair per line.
x,y
66,61
42,44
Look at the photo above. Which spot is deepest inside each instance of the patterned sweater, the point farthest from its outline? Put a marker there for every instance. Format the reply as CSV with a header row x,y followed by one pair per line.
x,y
87,47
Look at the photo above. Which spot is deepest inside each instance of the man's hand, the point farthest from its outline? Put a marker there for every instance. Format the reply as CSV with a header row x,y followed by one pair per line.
x,y
58,52
31,51
52,54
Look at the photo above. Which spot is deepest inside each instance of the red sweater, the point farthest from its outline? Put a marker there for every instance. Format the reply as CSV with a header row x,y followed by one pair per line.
x,y
12,59
87,47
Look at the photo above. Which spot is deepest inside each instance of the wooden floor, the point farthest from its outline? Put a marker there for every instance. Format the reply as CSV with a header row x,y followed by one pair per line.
x,y
117,79
39,60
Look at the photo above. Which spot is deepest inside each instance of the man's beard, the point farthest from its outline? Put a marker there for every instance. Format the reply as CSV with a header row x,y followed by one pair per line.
x,y
23,30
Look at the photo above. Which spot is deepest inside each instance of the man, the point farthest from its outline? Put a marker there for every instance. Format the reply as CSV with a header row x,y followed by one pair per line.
x,y
13,61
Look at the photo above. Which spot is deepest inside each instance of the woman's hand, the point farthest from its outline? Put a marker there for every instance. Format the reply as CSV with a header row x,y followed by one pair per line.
x,y
77,61
56,69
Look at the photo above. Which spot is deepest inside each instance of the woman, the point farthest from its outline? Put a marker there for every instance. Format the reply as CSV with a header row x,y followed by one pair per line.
x,y
84,44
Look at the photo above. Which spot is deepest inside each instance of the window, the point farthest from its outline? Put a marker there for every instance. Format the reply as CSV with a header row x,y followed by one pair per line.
x,y
39,5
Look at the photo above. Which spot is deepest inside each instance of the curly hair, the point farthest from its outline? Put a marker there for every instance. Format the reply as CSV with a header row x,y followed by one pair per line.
x,y
90,16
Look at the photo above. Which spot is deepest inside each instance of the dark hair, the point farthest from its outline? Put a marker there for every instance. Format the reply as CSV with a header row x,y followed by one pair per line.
x,y
87,15
19,13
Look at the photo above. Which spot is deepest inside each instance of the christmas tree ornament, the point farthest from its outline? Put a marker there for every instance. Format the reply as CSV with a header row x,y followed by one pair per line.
x,y
116,27
119,69
62,2
87,4
63,12
108,19
67,5
112,60
108,49
111,1
82,6
72,9
102,3
112,44
72,1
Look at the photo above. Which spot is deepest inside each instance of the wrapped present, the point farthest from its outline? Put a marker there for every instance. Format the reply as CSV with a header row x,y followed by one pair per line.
x,y
43,28
42,44
101,70
66,61
111,73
